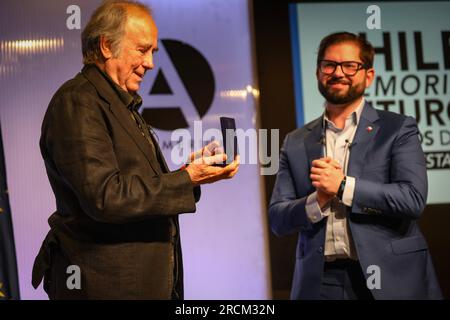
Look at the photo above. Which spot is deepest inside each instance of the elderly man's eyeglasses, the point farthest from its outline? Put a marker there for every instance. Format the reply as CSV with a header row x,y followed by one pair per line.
x,y
349,68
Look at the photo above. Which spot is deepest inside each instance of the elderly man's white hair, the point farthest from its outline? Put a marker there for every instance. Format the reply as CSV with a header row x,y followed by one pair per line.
x,y
108,21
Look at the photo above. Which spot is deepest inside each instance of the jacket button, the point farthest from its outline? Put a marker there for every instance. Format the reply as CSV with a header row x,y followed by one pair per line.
x,y
320,250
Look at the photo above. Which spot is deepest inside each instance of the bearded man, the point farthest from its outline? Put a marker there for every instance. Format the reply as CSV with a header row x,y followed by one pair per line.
x,y
353,183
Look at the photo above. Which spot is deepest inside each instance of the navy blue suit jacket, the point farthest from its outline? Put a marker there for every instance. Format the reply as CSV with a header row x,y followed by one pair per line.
x,y
390,194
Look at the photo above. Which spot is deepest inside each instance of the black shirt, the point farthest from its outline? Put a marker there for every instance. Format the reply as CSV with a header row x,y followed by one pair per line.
x,y
133,102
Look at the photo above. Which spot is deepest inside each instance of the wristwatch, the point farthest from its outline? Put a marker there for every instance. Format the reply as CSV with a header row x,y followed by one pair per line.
x,y
340,191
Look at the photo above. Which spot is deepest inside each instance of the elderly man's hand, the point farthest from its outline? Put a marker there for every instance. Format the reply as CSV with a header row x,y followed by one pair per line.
x,y
210,149
202,170
326,175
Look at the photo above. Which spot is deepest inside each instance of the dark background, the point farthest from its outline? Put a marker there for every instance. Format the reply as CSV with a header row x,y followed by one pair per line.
x,y
277,105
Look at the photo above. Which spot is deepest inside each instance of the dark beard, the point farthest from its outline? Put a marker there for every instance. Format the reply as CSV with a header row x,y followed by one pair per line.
x,y
353,93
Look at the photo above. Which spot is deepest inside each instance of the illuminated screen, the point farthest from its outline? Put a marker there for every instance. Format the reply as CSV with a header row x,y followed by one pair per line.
x,y
412,65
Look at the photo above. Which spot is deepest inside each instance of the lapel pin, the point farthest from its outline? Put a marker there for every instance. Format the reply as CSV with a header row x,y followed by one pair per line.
x,y
369,128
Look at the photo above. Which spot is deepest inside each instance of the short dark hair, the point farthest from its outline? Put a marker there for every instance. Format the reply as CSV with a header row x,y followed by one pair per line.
x,y
367,51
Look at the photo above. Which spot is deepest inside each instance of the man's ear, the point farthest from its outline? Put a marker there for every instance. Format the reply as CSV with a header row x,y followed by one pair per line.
x,y
370,75
105,48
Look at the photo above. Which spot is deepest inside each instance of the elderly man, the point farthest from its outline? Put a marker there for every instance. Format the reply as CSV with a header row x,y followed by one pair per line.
x,y
117,202
354,183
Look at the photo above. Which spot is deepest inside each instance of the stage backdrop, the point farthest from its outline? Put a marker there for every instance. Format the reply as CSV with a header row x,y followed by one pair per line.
x,y
412,65
204,69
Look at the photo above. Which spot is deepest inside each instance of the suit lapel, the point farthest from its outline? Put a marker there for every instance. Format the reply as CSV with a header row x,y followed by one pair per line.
x,y
365,133
160,156
120,113
124,118
314,142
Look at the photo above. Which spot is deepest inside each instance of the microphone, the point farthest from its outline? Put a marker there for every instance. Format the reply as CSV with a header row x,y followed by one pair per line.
x,y
349,144
322,139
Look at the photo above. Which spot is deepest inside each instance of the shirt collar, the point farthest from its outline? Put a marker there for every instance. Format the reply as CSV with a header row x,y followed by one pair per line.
x,y
355,115
132,101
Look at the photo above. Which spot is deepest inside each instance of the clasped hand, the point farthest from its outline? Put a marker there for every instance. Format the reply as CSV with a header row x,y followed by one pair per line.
x,y
326,175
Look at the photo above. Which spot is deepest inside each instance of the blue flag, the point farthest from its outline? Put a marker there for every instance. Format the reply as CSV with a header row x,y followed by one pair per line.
x,y
9,283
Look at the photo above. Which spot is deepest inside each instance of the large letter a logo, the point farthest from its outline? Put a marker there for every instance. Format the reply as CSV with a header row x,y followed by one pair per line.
x,y
180,89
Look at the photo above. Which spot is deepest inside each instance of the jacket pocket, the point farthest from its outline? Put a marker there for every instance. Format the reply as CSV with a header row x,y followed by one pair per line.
x,y
411,244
